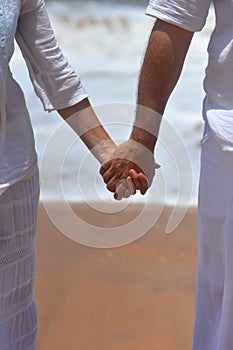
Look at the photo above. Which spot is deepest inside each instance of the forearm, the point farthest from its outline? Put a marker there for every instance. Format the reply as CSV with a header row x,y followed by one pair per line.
x,y
161,68
83,120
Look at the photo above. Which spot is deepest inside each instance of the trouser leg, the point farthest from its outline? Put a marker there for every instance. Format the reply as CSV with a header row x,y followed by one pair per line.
x,y
214,296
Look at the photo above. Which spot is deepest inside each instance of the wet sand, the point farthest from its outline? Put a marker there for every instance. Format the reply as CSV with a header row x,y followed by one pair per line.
x,y
136,297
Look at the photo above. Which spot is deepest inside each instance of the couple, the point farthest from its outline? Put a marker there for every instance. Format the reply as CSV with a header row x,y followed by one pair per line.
x,y
125,169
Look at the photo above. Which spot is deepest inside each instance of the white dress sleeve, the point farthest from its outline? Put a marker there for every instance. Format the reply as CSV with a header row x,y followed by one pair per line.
x,y
54,80
188,14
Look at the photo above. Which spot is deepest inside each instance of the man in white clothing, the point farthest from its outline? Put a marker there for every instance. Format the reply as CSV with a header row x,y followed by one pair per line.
x,y
169,41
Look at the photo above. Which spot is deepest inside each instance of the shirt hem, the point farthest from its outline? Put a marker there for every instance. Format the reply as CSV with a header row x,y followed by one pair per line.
x,y
29,172
169,19
49,106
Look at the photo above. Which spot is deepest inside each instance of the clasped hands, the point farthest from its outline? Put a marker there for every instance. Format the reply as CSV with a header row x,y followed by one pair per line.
x,y
130,167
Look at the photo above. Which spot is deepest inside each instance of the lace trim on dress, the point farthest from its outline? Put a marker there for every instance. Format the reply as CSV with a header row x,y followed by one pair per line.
x,y
14,256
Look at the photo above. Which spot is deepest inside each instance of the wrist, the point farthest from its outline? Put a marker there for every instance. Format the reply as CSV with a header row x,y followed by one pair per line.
x,y
146,127
104,151
144,138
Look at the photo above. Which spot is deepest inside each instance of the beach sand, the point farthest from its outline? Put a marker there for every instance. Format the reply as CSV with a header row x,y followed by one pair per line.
x,y
136,297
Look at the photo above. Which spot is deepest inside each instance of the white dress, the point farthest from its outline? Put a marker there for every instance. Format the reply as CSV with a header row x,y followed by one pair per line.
x,y
58,86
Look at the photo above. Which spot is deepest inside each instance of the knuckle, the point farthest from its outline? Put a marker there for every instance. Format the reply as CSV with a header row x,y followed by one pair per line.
x,y
101,171
105,178
111,187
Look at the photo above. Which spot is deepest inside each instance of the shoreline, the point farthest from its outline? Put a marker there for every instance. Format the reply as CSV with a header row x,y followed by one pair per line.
x,y
138,296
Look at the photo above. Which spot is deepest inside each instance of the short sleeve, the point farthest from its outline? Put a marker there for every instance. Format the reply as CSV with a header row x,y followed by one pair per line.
x,y
188,14
55,81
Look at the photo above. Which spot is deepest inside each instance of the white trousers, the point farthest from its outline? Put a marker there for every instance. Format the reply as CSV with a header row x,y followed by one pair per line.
x,y
18,215
213,327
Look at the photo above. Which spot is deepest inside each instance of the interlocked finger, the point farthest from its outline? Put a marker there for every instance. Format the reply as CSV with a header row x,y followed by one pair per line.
x,y
124,189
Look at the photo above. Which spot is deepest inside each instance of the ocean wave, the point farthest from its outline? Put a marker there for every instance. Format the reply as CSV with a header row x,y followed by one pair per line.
x,y
101,32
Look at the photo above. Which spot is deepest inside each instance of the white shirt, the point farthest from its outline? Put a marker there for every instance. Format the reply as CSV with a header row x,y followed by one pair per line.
x,y
218,83
54,81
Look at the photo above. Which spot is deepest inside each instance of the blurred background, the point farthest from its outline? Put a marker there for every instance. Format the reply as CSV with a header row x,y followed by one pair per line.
x,y
105,42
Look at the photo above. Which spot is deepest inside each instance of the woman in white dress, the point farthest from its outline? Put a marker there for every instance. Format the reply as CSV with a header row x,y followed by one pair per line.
x,y
59,88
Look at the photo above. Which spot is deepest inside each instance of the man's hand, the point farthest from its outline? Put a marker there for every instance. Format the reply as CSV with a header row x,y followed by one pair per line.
x,y
132,167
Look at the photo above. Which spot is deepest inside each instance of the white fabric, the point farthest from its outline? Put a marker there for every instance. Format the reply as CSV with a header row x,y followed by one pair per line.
x,y
218,83
221,121
214,297
18,216
190,15
54,80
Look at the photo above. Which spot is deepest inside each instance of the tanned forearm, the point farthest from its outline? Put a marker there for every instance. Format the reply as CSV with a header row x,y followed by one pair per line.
x,y
161,68
83,120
